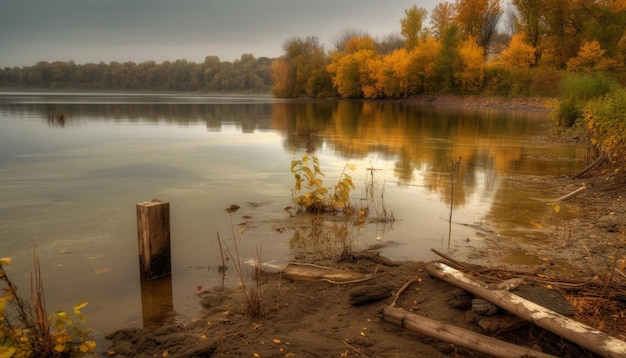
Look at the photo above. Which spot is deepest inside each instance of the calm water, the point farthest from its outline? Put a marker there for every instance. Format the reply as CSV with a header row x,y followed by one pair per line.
x,y
72,185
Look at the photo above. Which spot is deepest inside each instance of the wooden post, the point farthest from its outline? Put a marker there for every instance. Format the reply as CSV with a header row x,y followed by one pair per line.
x,y
153,232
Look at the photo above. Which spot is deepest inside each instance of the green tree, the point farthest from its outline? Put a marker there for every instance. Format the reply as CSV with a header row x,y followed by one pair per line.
x,y
448,58
530,19
305,59
411,25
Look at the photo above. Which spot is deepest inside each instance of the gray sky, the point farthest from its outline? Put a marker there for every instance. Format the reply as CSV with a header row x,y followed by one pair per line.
x,y
140,30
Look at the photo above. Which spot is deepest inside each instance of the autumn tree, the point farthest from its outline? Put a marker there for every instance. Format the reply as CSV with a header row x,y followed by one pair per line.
x,y
339,41
563,30
607,25
411,25
422,65
590,58
478,19
530,19
441,17
305,62
519,54
390,74
349,69
470,71
390,43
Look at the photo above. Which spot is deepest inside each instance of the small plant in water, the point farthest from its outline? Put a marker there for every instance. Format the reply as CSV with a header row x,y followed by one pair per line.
x,y
34,333
309,190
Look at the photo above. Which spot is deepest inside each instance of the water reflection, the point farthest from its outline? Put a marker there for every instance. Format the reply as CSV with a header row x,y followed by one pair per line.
x,y
74,184
157,301
422,141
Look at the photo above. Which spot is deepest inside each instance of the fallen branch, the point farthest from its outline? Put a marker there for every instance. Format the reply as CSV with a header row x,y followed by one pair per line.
x,y
593,165
571,194
455,262
583,335
456,335
396,296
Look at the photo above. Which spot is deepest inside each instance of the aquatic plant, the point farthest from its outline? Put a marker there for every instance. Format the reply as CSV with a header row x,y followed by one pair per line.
x,y
309,190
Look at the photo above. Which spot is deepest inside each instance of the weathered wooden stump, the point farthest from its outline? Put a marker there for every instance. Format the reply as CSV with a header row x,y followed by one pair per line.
x,y
153,232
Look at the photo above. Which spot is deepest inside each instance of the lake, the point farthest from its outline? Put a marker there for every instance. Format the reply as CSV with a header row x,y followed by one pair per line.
x,y
73,166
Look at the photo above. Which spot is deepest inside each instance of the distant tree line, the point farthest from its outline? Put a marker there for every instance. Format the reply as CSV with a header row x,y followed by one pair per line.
x,y
463,52
246,74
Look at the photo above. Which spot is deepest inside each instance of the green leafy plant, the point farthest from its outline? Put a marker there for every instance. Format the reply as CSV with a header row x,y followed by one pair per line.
x,y
31,332
309,189
606,121
575,91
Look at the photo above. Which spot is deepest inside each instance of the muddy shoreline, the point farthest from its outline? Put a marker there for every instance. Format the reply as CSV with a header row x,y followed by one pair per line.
x,y
312,318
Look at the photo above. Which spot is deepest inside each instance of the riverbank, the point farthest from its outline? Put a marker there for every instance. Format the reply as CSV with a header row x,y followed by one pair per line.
x,y
315,318
474,101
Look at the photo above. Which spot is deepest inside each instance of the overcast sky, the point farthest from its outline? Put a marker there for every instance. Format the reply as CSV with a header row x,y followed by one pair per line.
x,y
140,30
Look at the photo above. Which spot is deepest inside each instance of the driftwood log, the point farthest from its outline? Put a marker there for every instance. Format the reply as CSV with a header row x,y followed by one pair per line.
x,y
310,272
583,335
457,336
369,293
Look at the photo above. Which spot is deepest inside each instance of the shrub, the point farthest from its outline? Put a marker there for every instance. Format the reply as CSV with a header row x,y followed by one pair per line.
x,y
575,91
606,119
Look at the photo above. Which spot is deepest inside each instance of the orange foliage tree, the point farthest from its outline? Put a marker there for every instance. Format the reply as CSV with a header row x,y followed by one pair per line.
x,y
519,54
590,58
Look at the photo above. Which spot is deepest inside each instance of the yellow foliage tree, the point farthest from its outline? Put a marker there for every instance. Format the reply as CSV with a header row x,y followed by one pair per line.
x,y
358,43
421,66
350,69
395,74
590,58
519,54
471,72
376,71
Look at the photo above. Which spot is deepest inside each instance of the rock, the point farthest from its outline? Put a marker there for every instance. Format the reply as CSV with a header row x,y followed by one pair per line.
x,y
483,307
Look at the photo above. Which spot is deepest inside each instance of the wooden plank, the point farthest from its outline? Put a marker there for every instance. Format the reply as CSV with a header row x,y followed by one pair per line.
x,y
458,336
581,334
